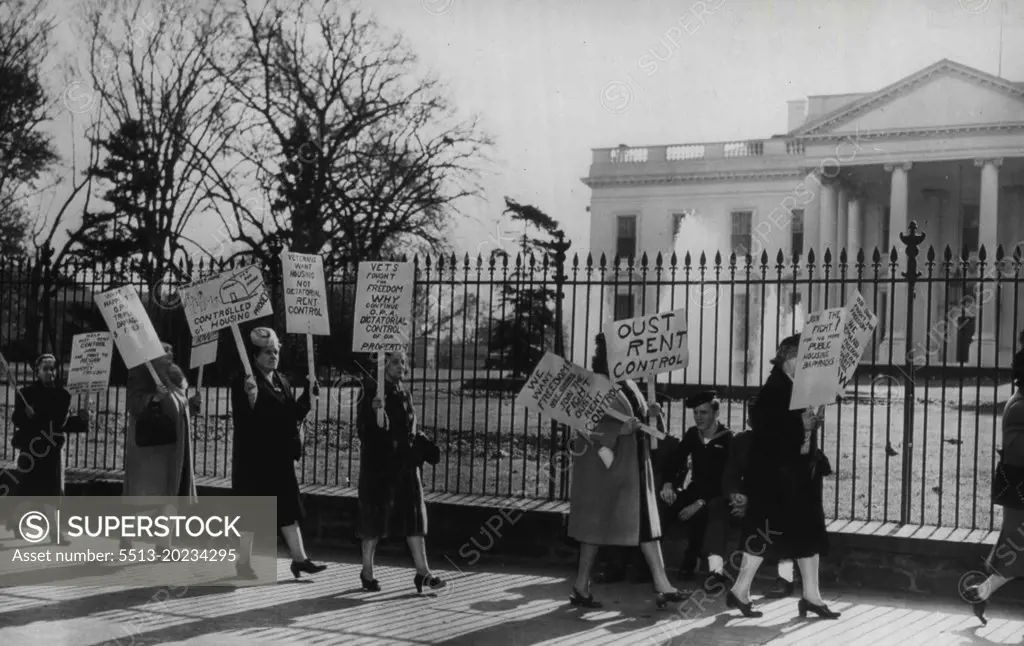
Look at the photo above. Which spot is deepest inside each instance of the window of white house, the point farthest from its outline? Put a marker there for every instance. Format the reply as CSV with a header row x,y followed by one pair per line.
x,y
742,229
796,225
623,306
970,224
625,237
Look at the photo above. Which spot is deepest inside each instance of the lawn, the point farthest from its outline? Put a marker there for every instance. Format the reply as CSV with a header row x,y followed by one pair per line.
x,y
490,447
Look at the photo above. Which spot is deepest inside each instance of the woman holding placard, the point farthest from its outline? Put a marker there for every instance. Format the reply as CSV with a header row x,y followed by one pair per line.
x,y
159,463
613,502
785,517
267,443
390,490
42,419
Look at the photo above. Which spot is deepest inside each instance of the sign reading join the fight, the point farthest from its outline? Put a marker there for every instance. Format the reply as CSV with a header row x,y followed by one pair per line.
x,y
647,345
229,298
817,361
305,294
130,326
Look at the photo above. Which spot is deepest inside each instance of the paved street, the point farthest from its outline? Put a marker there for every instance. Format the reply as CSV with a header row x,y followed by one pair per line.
x,y
483,605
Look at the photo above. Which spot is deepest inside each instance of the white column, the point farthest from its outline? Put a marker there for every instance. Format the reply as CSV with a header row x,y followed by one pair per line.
x,y
826,242
988,236
855,230
842,221
898,195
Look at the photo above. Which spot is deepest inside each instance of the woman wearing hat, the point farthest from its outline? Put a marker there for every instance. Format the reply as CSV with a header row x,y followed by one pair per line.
x,y
42,418
163,470
267,442
785,516
616,504
390,490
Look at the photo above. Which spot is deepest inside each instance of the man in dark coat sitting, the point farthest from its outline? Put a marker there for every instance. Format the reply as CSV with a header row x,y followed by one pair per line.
x,y
733,487
701,504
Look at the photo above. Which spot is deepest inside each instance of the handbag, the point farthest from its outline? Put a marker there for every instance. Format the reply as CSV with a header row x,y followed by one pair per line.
x,y
424,450
1008,485
154,427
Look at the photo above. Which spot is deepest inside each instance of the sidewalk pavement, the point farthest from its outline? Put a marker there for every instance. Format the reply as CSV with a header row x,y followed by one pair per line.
x,y
484,604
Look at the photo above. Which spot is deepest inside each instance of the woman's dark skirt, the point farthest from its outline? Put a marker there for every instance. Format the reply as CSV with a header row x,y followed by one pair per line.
x,y
40,476
392,508
786,516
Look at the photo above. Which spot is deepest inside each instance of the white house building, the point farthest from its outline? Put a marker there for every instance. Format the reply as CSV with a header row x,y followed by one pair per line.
x,y
942,147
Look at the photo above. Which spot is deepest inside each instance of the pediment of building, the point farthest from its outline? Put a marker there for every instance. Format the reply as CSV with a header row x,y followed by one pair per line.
x,y
945,96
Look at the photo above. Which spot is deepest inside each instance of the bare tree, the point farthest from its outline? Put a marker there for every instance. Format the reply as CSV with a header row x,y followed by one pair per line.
x,y
165,124
359,155
26,152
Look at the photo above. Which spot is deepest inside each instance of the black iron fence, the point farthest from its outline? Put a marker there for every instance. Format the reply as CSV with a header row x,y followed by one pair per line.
x,y
912,441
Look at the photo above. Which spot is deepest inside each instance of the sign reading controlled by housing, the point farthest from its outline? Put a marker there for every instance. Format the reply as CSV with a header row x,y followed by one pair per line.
x,y
647,345
383,314
305,294
229,298
91,354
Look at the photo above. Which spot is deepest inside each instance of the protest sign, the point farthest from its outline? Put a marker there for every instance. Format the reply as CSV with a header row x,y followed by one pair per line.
x,y
91,355
227,300
817,361
305,299
305,294
571,395
204,350
383,314
130,326
860,325
647,345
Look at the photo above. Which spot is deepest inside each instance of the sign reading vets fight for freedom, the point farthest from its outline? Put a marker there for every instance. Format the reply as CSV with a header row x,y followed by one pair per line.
x,y
91,356
229,298
571,395
129,323
817,361
305,294
204,350
857,330
383,313
647,345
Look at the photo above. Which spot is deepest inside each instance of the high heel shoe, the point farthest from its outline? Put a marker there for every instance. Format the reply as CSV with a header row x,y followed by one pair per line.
x,y
732,601
579,600
805,606
307,566
431,581
370,585
662,599
971,596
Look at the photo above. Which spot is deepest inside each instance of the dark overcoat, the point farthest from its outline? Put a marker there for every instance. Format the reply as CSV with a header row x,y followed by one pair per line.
x,y
40,440
267,442
391,503
607,505
786,517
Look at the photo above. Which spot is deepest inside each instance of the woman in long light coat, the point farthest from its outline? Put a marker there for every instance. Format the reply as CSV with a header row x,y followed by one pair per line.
x,y
616,505
164,470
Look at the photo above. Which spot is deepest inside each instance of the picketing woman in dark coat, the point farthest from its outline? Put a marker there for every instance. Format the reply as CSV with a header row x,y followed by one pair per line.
x,y
786,516
42,419
1004,562
391,503
616,504
267,442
